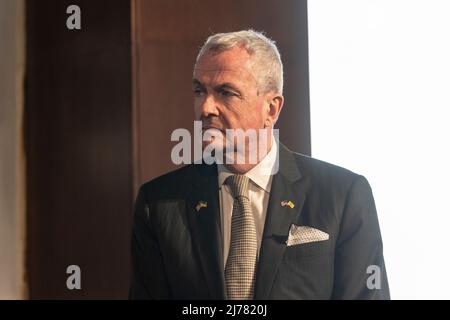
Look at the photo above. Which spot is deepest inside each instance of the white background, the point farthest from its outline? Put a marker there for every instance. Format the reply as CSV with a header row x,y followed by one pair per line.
x,y
380,106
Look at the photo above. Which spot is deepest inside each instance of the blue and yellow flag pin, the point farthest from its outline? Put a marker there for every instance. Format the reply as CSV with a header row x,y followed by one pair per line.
x,y
288,203
201,204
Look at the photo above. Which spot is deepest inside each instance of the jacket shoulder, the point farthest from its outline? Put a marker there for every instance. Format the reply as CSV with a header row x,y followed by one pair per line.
x,y
320,171
169,185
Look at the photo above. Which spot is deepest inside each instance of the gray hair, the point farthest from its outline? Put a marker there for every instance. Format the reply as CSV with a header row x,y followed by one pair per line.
x,y
265,55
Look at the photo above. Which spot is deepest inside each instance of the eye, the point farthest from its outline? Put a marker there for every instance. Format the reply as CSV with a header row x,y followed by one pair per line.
x,y
227,93
198,92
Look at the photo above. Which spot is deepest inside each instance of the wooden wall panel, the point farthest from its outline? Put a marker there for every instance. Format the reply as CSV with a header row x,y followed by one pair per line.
x,y
78,113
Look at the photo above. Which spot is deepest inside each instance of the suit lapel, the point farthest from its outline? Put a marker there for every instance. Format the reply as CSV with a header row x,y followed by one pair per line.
x,y
286,185
206,228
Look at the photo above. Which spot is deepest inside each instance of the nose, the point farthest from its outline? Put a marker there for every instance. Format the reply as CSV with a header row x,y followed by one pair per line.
x,y
208,106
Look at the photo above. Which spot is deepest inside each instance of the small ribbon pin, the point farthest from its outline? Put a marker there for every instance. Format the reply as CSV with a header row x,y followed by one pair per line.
x,y
201,204
289,203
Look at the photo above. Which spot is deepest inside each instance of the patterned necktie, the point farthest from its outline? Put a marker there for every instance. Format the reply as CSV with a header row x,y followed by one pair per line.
x,y
242,257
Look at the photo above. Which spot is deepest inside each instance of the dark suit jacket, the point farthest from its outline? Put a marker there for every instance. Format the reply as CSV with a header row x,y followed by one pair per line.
x,y
177,251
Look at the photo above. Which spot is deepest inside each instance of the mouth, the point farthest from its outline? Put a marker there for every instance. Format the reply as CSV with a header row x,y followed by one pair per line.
x,y
209,127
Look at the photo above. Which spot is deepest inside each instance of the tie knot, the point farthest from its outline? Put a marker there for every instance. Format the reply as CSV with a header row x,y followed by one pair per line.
x,y
238,184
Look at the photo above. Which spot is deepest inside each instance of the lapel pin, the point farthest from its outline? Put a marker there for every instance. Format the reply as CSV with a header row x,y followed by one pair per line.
x,y
289,203
201,204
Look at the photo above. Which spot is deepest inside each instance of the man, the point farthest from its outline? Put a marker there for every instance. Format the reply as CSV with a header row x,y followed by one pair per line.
x,y
283,227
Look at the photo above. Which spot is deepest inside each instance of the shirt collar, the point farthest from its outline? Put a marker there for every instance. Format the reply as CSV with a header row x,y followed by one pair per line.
x,y
261,174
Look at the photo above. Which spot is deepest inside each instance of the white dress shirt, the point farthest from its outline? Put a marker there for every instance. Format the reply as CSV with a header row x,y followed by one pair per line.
x,y
259,190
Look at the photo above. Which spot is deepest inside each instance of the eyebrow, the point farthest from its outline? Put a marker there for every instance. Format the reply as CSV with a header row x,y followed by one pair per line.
x,y
219,87
195,82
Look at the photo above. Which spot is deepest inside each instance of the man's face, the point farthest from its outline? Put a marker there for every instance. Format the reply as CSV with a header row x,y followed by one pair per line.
x,y
226,92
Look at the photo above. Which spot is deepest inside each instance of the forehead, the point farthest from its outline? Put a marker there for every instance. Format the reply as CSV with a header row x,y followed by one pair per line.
x,y
233,65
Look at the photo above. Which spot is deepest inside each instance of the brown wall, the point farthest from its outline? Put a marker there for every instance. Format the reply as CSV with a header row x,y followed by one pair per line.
x,y
78,109
168,34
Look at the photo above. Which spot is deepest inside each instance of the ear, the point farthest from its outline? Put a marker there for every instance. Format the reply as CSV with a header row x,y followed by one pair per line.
x,y
274,105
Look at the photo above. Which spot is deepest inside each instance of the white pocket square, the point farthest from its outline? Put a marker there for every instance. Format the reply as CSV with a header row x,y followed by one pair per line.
x,y
305,234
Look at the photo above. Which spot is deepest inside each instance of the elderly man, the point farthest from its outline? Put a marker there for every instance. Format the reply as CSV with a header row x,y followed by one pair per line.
x,y
285,226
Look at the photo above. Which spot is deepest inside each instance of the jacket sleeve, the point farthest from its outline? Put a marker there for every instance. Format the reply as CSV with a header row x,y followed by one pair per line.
x,y
148,278
359,271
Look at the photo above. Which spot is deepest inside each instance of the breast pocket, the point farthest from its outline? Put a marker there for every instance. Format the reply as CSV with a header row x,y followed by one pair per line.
x,y
306,271
308,249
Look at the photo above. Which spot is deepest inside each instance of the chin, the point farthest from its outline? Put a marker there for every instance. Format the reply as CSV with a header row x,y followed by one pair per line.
x,y
214,143
239,168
